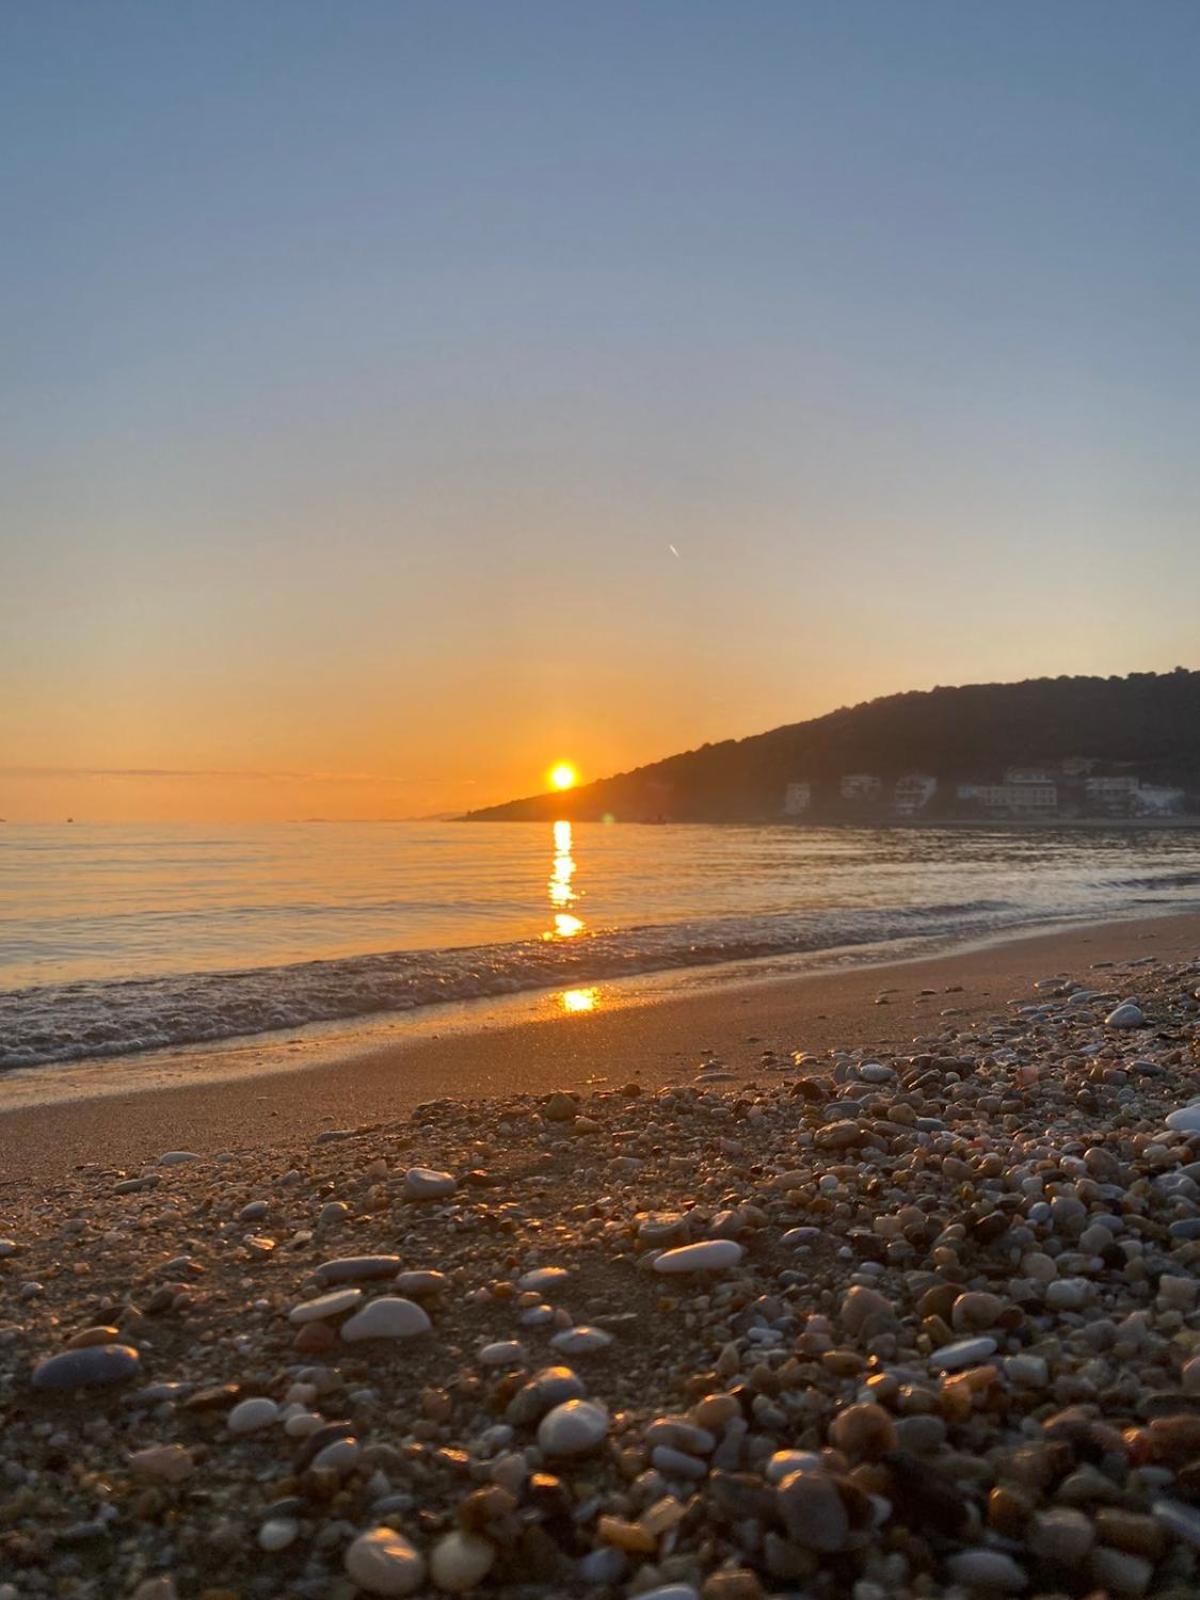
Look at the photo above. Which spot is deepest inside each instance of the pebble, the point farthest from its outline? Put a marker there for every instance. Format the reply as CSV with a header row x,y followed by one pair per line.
x,y
383,1562
460,1562
547,1388
97,1366
575,1428
1179,1519
177,1158
1068,1294
170,1463
422,1183
812,1511
581,1341
963,1353
1185,1120
277,1533
989,1570
248,1416
333,1304
347,1269
710,1255
503,1353
543,1278
1127,1015
387,1318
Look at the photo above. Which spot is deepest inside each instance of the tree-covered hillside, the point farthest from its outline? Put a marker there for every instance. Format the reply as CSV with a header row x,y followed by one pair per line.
x,y
1148,721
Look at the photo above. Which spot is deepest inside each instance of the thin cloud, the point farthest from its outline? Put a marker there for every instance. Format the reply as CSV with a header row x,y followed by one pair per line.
x,y
169,774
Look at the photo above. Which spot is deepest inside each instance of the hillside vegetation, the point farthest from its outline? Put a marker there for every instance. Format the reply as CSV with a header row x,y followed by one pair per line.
x,y
1148,721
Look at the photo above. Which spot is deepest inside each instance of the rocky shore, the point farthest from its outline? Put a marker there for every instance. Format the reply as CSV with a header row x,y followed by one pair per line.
x,y
869,1325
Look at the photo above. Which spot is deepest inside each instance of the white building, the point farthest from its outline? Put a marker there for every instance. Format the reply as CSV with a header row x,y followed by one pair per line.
x,y
860,786
1026,776
1154,800
797,799
913,793
1113,796
1013,799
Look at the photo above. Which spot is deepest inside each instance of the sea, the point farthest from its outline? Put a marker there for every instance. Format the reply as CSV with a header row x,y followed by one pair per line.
x,y
116,940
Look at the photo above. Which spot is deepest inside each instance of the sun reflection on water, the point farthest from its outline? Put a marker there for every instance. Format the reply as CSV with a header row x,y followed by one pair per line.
x,y
576,1000
561,887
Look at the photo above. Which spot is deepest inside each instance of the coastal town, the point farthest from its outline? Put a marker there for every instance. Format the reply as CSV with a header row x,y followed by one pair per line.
x,y
1078,787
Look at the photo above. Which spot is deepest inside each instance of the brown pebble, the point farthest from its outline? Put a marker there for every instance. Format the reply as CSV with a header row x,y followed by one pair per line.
x,y
734,1583
1141,1535
86,1337
1008,1510
863,1430
315,1338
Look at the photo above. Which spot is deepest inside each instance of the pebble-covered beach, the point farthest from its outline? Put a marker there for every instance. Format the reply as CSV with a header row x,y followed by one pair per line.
x,y
864,1325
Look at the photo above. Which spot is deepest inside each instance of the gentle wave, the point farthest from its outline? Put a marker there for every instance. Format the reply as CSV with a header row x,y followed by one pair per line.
x,y
71,1021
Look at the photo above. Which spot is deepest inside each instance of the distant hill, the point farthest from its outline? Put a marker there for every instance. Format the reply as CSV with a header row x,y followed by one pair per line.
x,y
1147,723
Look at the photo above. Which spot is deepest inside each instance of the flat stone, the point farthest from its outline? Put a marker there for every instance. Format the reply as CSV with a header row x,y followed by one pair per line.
x,y
333,1304
177,1158
710,1255
86,1337
581,1341
503,1353
166,1463
963,1353
989,1570
387,1318
349,1269
1185,1120
422,1183
97,1366
420,1285
383,1562
543,1278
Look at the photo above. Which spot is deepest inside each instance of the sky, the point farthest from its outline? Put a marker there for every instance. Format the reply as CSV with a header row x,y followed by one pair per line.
x,y
398,397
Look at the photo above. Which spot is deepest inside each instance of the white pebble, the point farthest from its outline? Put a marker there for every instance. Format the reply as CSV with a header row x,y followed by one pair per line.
x,y
332,1304
460,1561
710,1255
386,1318
572,1429
250,1415
277,1533
383,1562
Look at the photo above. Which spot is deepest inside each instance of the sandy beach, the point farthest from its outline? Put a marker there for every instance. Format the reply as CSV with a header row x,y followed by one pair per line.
x,y
484,1055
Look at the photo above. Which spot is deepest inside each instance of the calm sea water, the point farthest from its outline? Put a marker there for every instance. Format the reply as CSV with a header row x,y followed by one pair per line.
x,y
116,939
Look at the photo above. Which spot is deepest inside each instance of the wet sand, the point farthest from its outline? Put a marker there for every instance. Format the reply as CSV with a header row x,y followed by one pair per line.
x,y
653,1044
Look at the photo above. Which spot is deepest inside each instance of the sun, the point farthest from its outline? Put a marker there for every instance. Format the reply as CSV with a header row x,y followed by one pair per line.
x,y
563,775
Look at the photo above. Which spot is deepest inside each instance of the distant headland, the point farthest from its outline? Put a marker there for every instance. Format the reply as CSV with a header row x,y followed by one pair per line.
x,y
1047,749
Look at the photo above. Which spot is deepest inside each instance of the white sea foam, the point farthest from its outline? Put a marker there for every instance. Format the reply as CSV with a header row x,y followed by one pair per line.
x,y
115,941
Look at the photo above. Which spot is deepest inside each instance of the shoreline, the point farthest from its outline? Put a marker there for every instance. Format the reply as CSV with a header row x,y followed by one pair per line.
x,y
653,1032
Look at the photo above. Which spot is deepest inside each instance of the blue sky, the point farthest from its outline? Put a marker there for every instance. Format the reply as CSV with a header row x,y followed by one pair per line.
x,y
362,362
